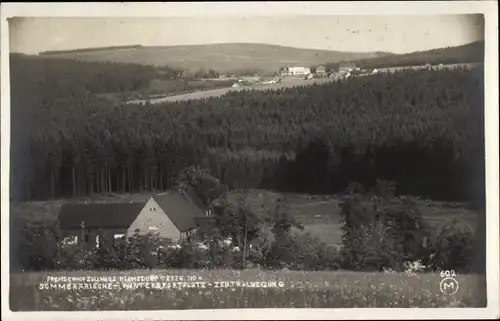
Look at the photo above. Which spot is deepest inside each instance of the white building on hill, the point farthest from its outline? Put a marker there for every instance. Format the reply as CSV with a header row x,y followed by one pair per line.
x,y
290,71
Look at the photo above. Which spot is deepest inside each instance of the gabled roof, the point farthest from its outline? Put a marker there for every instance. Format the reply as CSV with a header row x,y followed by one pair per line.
x,y
191,196
106,215
181,207
181,211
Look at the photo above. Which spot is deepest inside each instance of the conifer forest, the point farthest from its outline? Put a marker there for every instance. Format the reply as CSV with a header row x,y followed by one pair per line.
x,y
420,129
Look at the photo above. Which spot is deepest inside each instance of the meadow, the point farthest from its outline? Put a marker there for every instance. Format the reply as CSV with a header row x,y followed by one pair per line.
x,y
299,289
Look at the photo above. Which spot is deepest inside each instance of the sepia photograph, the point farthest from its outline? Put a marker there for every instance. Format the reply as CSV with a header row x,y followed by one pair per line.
x,y
320,160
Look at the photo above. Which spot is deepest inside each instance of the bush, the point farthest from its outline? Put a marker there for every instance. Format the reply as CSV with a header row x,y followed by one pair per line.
x,y
35,244
302,251
453,248
381,230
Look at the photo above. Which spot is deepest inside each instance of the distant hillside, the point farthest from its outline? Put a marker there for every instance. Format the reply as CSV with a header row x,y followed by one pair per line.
x,y
55,52
220,57
472,52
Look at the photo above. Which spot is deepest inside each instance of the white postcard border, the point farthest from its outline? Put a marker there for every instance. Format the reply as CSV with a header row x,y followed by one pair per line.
x,y
488,8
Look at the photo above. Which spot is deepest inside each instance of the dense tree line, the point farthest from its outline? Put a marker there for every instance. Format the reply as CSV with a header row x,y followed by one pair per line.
x,y
56,52
63,78
202,74
473,52
59,78
422,129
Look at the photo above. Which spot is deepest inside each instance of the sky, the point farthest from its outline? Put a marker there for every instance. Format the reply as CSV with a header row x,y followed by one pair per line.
x,y
397,34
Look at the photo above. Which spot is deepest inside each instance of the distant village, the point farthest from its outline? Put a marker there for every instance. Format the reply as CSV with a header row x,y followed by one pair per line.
x,y
344,71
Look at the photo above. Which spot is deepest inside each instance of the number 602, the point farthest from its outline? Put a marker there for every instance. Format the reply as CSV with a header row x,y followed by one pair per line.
x,y
448,273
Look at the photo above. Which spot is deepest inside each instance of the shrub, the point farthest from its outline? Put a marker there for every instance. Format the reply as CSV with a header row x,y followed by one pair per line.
x,y
302,251
36,242
453,248
381,230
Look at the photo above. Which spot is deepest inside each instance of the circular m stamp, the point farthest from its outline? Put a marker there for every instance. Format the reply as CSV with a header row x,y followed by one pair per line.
x,y
448,286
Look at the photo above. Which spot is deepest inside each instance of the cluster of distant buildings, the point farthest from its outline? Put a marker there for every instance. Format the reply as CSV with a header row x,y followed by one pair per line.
x,y
319,72
344,70
294,71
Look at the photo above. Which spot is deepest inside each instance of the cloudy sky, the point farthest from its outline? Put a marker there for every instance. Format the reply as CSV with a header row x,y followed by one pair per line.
x,y
398,34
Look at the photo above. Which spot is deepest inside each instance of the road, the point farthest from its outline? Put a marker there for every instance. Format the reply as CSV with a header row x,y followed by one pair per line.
x,y
220,92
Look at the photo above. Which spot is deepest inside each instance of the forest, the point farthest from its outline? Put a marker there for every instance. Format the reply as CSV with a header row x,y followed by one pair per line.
x,y
55,52
473,52
58,78
420,129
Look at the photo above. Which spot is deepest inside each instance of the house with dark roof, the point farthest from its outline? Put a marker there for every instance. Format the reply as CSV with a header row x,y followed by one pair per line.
x,y
173,215
321,70
345,67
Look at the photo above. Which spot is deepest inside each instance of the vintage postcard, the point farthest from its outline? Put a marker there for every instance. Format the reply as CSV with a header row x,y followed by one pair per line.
x,y
240,160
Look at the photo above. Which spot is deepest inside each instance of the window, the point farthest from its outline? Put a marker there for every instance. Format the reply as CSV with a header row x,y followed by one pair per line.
x,y
154,230
424,241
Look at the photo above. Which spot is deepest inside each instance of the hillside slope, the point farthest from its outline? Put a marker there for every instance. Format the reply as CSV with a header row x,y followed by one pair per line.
x,y
220,57
472,52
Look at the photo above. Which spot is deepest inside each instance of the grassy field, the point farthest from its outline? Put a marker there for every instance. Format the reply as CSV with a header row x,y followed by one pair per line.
x,y
293,289
231,57
320,214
